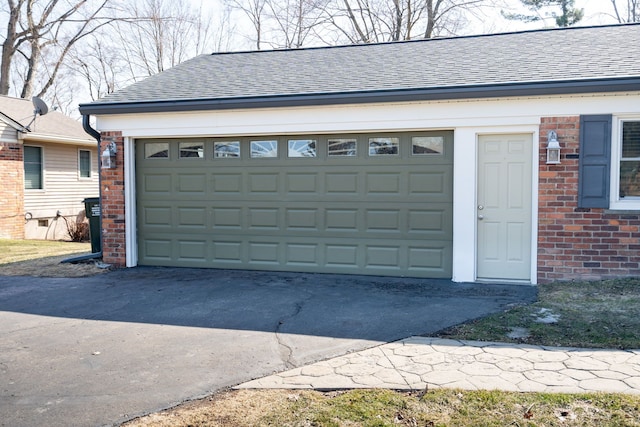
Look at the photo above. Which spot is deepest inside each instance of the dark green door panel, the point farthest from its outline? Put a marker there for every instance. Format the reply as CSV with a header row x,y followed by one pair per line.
x,y
360,214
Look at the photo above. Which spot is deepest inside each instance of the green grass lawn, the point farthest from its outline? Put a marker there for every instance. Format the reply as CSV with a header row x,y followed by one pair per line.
x,y
22,250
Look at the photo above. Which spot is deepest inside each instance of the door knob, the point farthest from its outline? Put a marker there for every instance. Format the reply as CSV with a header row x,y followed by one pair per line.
x,y
480,216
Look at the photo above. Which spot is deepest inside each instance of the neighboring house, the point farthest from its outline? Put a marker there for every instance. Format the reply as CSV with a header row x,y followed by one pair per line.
x,y
421,158
47,168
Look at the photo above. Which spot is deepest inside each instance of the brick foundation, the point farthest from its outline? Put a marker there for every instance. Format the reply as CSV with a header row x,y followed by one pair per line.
x,y
576,243
11,191
112,204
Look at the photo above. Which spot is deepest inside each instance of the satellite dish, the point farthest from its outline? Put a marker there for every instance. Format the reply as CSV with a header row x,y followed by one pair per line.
x,y
40,108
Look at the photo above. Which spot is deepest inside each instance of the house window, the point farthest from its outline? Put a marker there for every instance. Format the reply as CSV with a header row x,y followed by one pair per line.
x,y
342,147
156,150
427,145
191,150
264,149
629,184
33,168
226,149
384,146
84,163
302,148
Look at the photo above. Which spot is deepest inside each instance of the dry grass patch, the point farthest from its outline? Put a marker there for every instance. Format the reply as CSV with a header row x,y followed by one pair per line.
x,y
603,314
379,408
41,258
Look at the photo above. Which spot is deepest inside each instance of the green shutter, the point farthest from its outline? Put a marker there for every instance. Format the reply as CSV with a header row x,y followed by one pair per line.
x,y
595,161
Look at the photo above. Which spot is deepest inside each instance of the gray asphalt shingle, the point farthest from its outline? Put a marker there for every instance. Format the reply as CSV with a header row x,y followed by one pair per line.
x,y
527,57
53,124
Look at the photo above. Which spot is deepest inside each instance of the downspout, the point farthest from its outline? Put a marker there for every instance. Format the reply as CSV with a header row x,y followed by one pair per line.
x,y
88,129
96,135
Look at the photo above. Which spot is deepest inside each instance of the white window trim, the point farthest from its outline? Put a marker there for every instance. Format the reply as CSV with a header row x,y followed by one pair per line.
x,y
80,177
42,169
615,202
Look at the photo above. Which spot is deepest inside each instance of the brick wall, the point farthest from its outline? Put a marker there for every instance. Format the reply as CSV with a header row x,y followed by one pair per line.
x,y
112,204
577,243
11,191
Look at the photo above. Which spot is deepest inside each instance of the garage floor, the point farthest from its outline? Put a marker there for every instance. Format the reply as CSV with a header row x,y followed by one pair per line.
x,y
104,349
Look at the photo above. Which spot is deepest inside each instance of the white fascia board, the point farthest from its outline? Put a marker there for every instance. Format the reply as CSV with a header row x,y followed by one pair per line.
x,y
14,124
366,117
34,137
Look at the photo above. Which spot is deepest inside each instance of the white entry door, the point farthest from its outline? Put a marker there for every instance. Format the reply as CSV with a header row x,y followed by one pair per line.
x,y
504,207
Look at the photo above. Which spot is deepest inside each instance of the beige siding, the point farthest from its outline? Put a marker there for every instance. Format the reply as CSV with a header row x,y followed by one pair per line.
x,y
7,133
63,191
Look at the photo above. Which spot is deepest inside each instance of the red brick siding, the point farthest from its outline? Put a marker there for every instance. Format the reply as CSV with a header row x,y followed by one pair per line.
x,y
11,191
576,243
112,204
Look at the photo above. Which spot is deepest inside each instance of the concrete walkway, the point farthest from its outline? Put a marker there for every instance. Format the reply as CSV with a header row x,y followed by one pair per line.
x,y
417,363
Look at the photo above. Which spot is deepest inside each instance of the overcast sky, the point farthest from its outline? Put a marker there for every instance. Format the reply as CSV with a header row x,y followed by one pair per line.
x,y
596,12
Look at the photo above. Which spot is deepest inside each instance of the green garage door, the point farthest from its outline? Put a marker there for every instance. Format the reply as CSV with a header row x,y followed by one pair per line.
x,y
378,204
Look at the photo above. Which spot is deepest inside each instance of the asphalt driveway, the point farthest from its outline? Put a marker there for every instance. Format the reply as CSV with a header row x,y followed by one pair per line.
x,y
104,349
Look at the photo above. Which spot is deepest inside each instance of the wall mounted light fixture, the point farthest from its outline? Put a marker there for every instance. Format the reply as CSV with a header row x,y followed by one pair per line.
x,y
553,148
109,156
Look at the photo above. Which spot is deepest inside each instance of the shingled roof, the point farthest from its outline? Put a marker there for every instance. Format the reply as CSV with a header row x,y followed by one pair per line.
x,y
54,125
555,61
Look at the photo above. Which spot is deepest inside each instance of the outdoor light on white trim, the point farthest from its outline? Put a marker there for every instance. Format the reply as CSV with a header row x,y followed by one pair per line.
x,y
109,156
553,148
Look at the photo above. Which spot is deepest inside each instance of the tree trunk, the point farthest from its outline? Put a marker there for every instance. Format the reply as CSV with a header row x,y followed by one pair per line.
x,y
34,62
9,46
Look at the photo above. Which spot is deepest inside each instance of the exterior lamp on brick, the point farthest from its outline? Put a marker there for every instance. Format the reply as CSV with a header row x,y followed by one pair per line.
x,y
109,156
553,148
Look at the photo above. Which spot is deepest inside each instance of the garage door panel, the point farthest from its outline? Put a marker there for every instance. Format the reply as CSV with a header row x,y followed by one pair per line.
x,y
383,183
303,254
227,218
264,219
227,252
434,221
303,219
305,183
370,257
383,220
192,183
156,216
264,183
227,183
264,253
341,183
157,249
385,257
434,261
382,215
431,183
192,250
192,217
342,219
157,183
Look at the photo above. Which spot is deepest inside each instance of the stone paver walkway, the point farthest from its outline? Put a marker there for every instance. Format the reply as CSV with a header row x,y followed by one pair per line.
x,y
417,363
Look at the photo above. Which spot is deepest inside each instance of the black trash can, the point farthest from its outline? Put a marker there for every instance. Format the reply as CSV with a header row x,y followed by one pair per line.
x,y
92,211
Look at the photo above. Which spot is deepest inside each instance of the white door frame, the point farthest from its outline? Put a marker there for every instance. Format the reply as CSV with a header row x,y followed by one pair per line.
x,y
465,189
130,205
